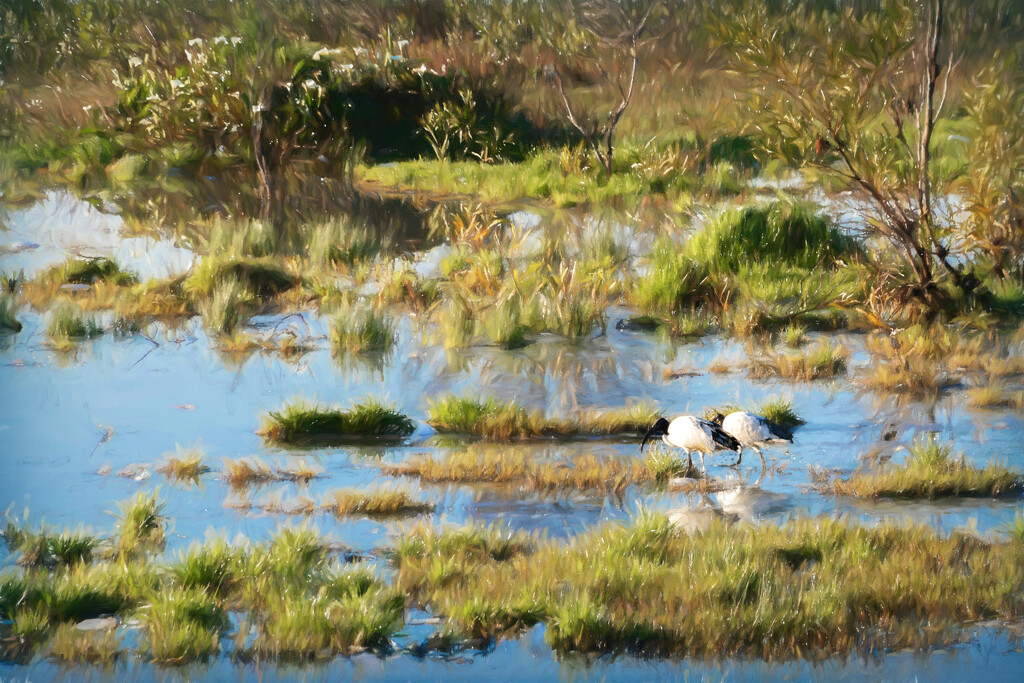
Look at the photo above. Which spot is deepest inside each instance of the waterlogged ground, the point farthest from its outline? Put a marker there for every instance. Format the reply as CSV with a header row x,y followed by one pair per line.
x,y
69,423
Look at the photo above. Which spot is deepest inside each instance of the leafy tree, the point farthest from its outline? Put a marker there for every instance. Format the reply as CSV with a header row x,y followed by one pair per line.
x,y
857,95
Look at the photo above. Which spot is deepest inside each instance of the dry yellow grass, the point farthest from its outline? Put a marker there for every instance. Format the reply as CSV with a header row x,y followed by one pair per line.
x,y
380,502
501,466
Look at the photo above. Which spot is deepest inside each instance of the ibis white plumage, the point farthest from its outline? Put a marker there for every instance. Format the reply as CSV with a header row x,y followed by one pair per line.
x,y
752,431
691,434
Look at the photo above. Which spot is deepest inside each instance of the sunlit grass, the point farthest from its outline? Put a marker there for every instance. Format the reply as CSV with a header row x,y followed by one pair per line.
x,y
183,465
806,587
45,548
931,470
359,330
181,625
141,525
382,502
303,422
992,396
496,419
248,472
794,335
493,465
779,411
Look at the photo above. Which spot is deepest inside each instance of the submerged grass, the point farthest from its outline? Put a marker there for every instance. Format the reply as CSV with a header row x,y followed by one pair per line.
x,y
361,330
67,324
497,419
9,314
822,361
381,502
183,465
931,470
810,587
302,422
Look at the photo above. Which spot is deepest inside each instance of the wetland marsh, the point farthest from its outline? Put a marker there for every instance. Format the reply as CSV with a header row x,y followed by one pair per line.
x,y
331,356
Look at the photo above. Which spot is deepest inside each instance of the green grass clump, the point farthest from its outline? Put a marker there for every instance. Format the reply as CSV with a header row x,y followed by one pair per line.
x,y
209,567
794,335
182,625
292,631
360,330
778,411
379,503
674,283
43,548
809,587
931,470
777,233
9,314
490,417
67,323
87,271
301,422
141,525
496,419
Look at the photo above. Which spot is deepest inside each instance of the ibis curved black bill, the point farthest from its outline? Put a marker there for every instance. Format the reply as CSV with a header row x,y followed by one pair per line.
x,y
657,430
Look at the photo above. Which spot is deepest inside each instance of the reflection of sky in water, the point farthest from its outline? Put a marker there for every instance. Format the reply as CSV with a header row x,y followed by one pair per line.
x,y
62,225
177,390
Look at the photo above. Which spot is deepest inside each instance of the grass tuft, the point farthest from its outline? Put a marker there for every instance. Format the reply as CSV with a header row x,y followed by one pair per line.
x,y
182,626
378,503
496,419
141,525
301,422
183,465
584,472
931,470
360,330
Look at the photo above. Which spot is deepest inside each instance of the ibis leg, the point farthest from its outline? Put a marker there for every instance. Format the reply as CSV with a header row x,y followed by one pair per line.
x,y
739,456
764,464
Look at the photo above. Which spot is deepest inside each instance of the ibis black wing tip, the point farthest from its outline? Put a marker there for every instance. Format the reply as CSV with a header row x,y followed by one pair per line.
x,y
780,432
724,438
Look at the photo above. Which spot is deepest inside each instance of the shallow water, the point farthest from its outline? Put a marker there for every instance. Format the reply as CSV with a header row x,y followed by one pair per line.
x,y
169,387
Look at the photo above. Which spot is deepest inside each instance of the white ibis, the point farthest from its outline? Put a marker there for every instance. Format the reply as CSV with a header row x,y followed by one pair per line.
x,y
691,434
752,431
